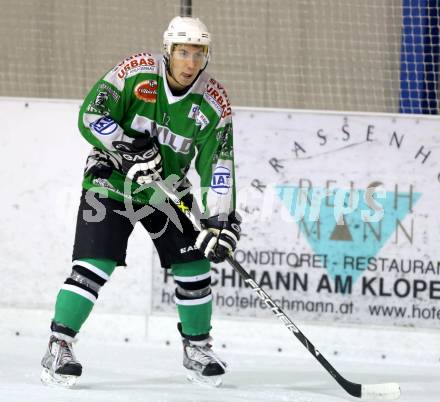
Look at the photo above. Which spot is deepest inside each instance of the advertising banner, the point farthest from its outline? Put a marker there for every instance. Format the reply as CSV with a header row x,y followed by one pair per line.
x,y
340,219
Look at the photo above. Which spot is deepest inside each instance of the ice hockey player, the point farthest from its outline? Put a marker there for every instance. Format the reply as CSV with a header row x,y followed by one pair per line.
x,y
147,119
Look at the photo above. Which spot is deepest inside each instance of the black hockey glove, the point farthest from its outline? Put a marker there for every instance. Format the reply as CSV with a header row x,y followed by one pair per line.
x,y
100,164
219,237
141,160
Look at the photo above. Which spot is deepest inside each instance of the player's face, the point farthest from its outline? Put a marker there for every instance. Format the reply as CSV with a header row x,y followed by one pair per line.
x,y
185,63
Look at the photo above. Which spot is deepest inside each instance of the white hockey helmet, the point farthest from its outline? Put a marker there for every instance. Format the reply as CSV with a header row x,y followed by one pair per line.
x,y
186,30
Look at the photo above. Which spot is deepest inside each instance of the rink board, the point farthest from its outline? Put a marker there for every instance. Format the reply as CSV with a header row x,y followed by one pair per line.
x,y
293,169
340,219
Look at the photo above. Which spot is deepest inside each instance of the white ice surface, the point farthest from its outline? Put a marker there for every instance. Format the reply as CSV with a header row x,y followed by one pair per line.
x,y
149,371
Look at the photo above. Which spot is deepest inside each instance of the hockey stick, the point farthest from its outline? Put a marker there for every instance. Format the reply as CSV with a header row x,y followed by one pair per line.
x,y
384,391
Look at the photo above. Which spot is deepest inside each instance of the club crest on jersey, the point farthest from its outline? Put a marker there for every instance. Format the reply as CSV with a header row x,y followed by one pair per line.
x,y
221,180
198,116
104,126
146,91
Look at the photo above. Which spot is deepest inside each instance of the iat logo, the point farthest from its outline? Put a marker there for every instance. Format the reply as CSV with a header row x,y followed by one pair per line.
x,y
146,91
221,180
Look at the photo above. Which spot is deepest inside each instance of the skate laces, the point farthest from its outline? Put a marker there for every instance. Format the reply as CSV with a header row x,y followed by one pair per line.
x,y
215,357
64,353
205,355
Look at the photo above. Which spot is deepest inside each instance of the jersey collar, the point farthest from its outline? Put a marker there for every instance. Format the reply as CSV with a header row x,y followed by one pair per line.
x,y
170,97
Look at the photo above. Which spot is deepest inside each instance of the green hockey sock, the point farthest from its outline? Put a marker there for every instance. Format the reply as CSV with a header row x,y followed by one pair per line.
x,y
193,296
79,293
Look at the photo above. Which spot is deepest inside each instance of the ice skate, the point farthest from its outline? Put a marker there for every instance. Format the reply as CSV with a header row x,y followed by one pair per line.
x,y
203,366
60,367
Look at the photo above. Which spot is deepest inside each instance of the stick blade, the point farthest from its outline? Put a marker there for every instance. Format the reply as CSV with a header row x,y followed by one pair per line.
x,y
387,391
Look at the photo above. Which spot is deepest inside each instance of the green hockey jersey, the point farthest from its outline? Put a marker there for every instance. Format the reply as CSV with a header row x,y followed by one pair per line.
x,y
133,99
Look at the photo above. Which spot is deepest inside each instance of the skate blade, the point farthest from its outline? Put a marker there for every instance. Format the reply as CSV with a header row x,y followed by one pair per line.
x,y
57,380
213,381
